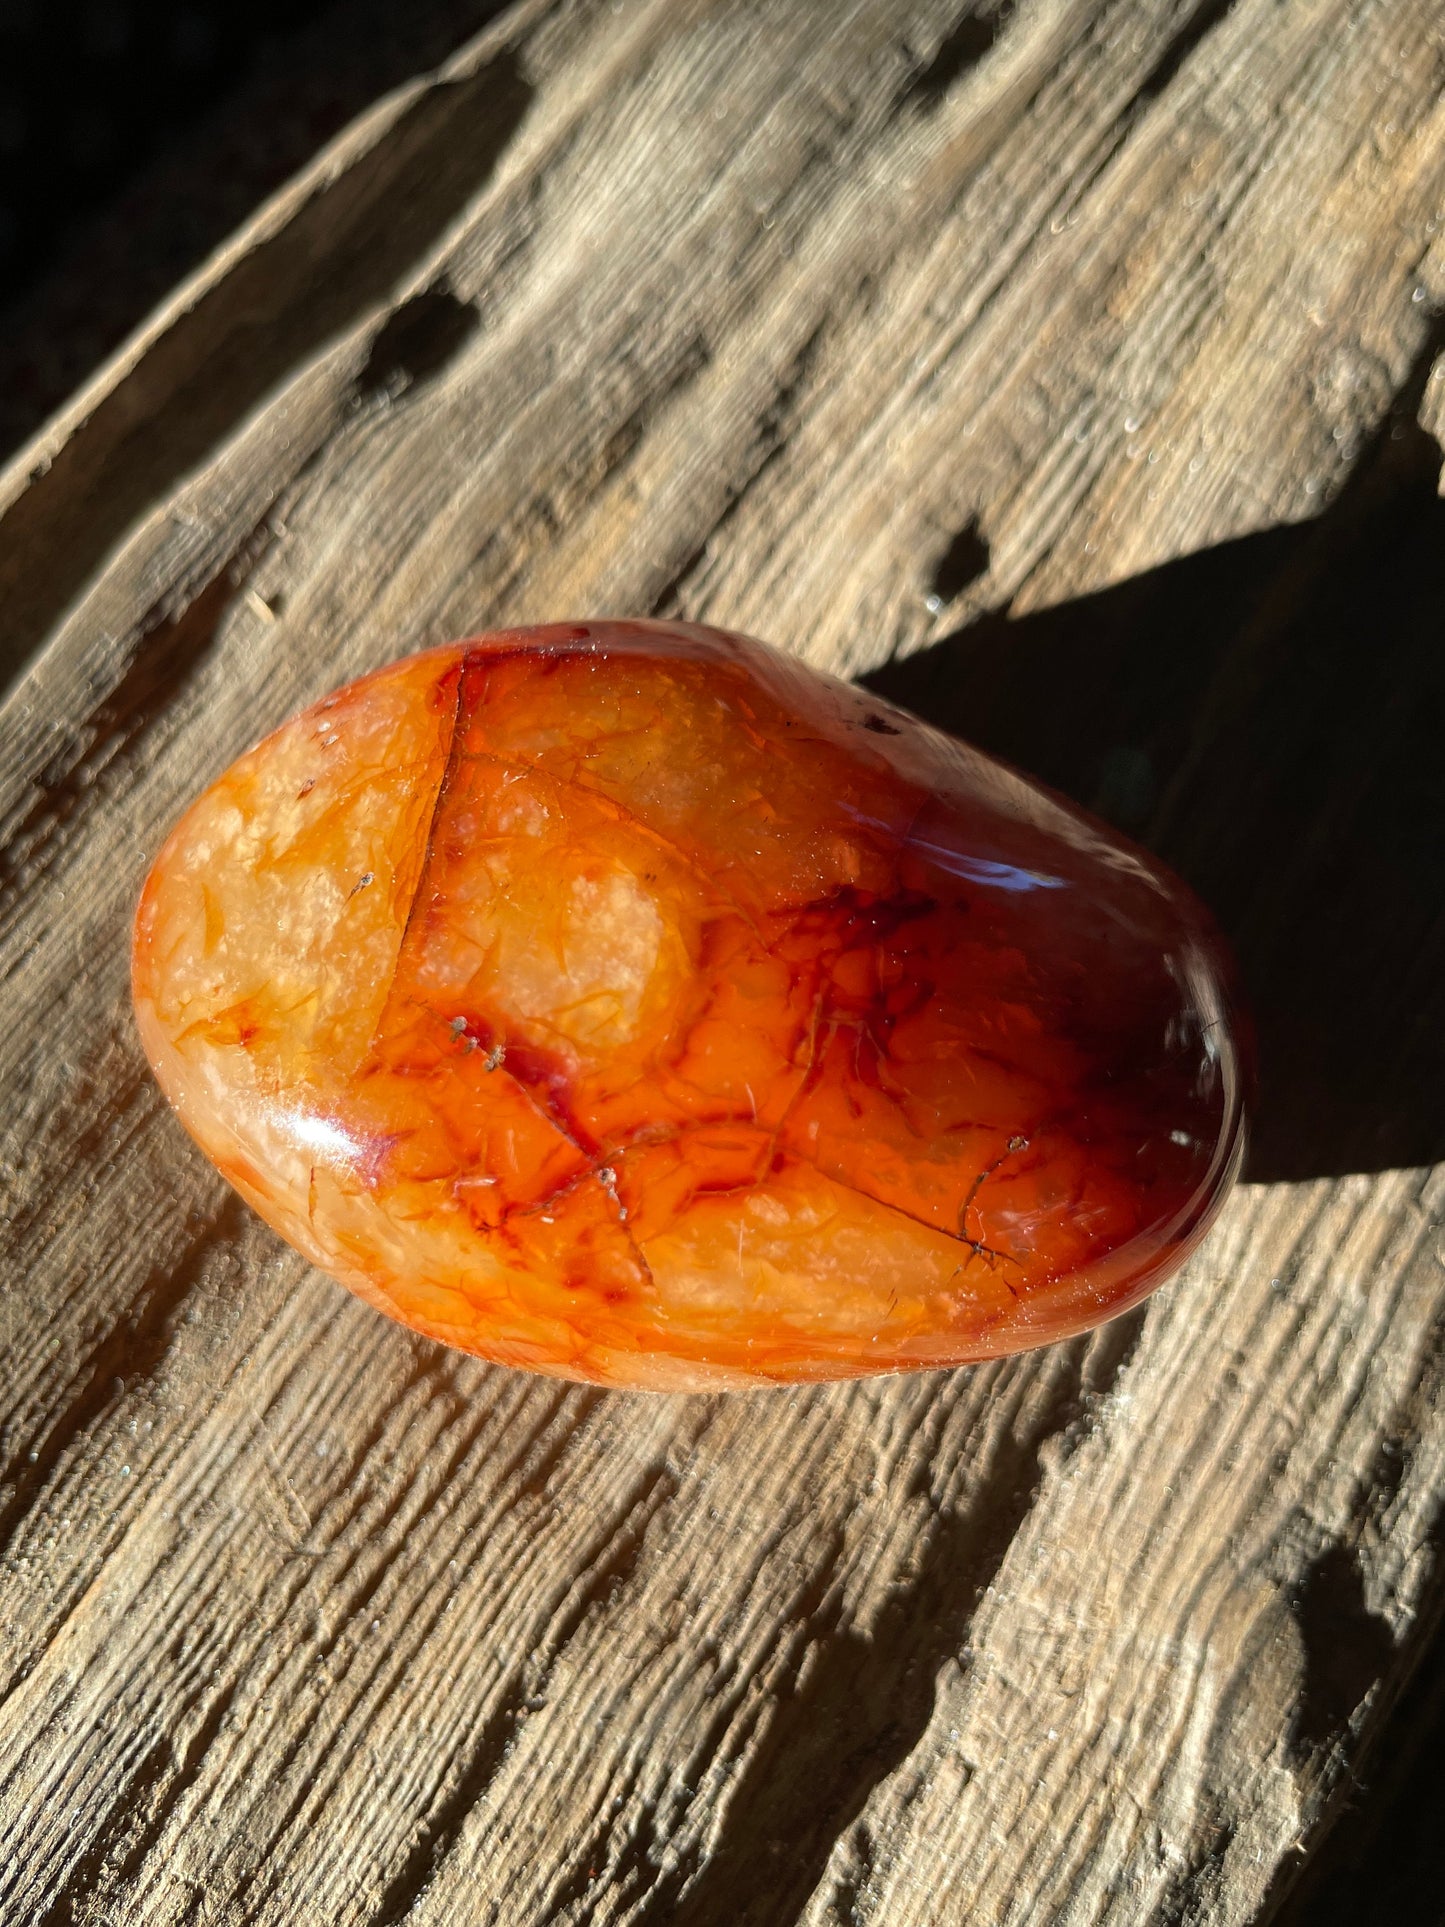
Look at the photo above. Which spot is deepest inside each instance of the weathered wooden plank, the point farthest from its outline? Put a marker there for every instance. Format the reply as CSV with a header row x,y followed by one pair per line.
x,y
1076,358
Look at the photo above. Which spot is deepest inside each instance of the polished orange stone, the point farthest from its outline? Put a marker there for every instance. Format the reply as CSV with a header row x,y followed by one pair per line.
x,y
624,1000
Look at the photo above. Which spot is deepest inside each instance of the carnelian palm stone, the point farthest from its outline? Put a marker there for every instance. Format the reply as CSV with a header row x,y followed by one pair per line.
x,y
626,1001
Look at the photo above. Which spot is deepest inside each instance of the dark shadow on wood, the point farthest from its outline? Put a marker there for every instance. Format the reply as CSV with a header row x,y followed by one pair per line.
x,y
189,148
340,255
1380,1865
1348,1648
1269,716
1377,1860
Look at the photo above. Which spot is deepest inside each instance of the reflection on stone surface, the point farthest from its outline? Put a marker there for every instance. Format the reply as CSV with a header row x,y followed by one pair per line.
x,y
626,1001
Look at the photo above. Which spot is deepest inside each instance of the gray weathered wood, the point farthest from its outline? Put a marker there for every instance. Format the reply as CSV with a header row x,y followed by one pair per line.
x,y
748,311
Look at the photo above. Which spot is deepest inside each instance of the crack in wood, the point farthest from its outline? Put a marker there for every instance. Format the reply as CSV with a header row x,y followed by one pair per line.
x,y
132,1351
604,1573
168,649
960,50
136,1822
417,341
860,1698
529,1468
769,441
1348,1647
1200,21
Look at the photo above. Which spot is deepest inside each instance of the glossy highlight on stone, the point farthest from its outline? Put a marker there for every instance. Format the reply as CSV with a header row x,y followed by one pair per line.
x,y
627,1001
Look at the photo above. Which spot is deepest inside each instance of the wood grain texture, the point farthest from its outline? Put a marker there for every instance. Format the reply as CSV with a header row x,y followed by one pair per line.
x,y
1070,371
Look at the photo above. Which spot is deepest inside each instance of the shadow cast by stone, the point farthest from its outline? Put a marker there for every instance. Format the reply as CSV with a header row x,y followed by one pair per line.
x,y
1268,716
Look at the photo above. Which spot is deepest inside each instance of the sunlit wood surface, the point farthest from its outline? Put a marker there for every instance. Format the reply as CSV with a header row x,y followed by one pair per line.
x,y
1069,371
